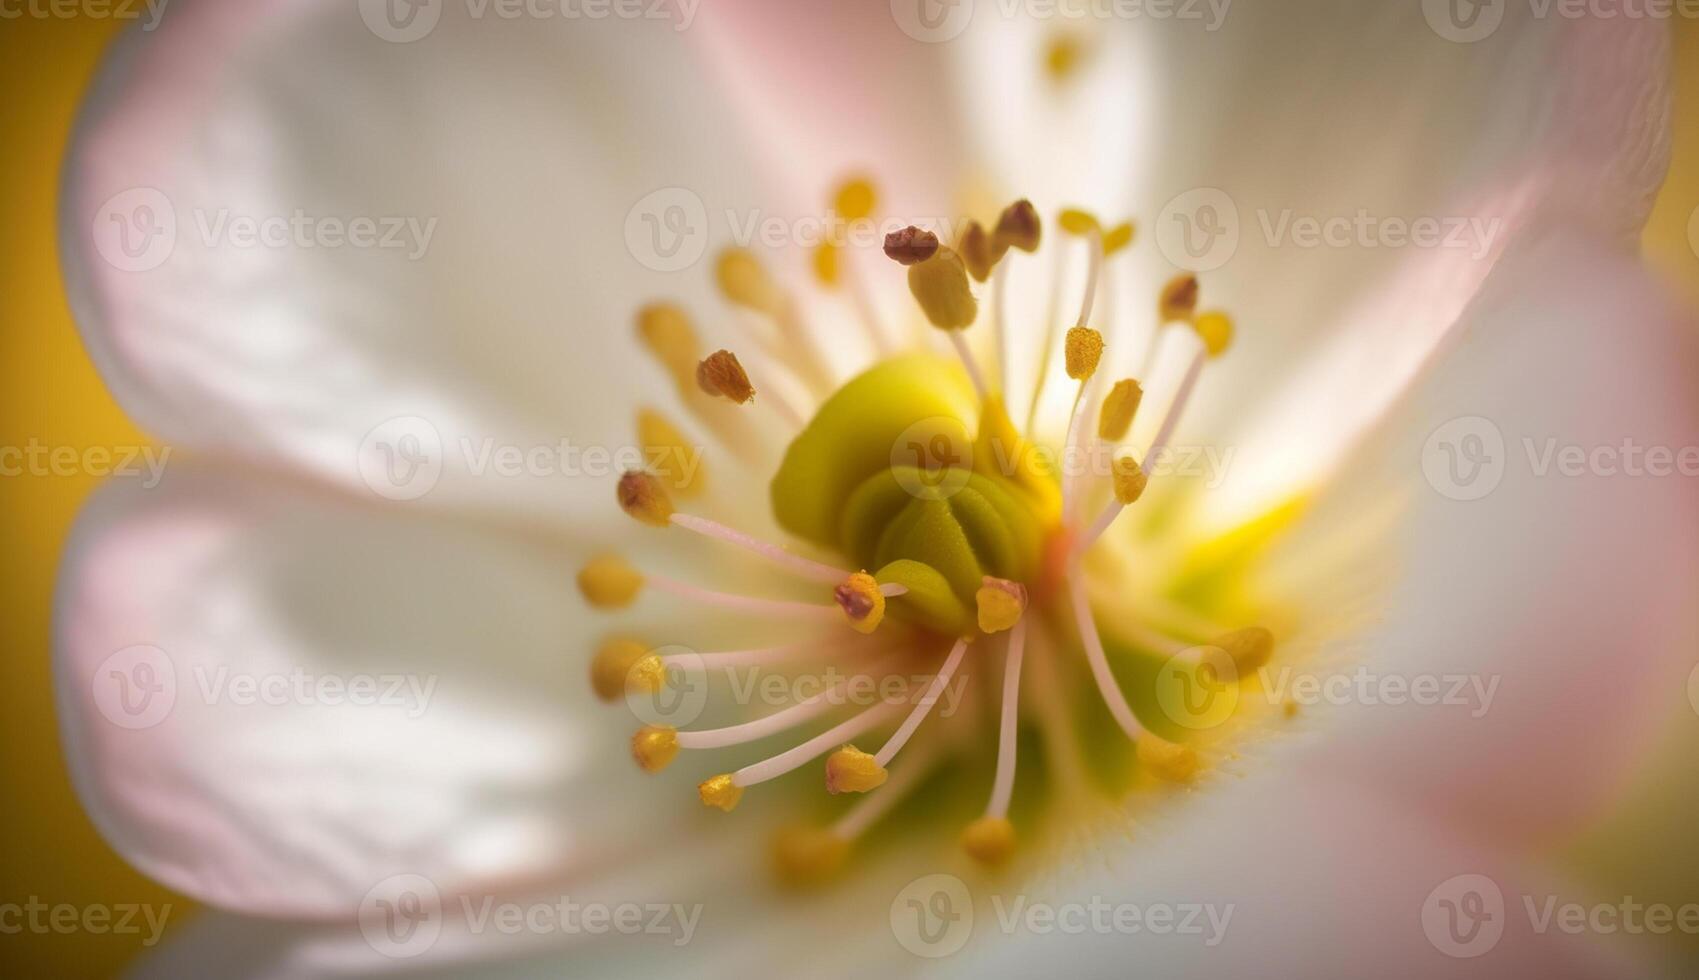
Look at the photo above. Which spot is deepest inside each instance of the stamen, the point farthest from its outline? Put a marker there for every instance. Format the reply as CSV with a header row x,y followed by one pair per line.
x,y
808,856
609,582
972,365
1019,227
1000,324
1179,299
1099,662
744,282
850,770
979,251
654,747
1003,786
783,720
1129,479
856,200
811,570
1052,312
1001,604
666,331
862,600
868,810
1216,331
911,245
1120,407
1084,351
989,841
643,498
672,455
940,286
742,603
1168,760
757,657
724,791
1117,238
610,668
720,791
721,374
924,708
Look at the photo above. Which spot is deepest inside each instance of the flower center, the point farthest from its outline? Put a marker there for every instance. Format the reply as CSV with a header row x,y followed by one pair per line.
x,y
946,533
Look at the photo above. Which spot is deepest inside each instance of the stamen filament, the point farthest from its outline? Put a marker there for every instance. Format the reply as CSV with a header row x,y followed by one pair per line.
x,y
778,721
743,603
1052,310
863,301
1093,271
1099,662
999,322
933,691
758,657
968,362
1003,787
815,747
811,570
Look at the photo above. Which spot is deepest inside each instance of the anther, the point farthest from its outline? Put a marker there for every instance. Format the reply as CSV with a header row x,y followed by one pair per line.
x,y
989,841
722,374
940,286
850,770
1120,407
666,331
1215,329
1019,227
1130,480
979,251
674,458
806,856
1117,238
610,668
1083,350
911,245
1001,604
862,601
856,199
644,499
654,747
1169,761
720,792
1179,298
1077,222
744,281
1249,648
609,582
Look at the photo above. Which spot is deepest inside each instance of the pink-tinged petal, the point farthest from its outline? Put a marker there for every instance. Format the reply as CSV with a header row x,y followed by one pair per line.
x,y
531,183
1464,542
272,698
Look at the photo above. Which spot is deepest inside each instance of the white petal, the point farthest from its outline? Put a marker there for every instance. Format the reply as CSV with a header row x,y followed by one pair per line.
x,y
1483,553
527,150
272,701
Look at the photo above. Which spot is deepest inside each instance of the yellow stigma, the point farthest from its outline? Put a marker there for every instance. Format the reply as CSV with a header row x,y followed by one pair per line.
x,y
826,265
1250,648
744,281
850,770
940,286
979,251
722,374
1083,349
1019,227
643,497
655,747
1179,299
611,667
1120,406
1129,479
1215,329
719,791
674,459
989,841
1001,604
666,331
1077,222
1117,238
1169,761
862,602
807,856
609,582
855,199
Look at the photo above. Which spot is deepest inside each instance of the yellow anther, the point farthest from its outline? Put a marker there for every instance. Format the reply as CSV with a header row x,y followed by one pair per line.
x,y
1001,604
1169,761
941,288
1019,227
862,602
611,667
609,582
855,199
722,374
1250,648
1179,298
745,282
979,251
719,791
850,770
1130,480
643,497
1215,329
990,841
1077,222
655,747
646,676
911,245
1062,57
1120,406
1117,238
672,456
805,856
1084,348
666,331
826,264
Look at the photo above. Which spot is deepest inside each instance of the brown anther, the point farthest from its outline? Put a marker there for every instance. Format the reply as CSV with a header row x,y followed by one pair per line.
x,y
642,496
911,245
721,374
1019,226
979,251
1179,298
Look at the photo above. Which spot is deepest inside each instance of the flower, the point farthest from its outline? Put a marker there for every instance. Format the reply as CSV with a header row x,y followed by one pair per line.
x,y
264,584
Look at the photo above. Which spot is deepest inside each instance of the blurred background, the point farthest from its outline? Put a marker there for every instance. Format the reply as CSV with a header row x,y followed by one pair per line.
x,y
50,395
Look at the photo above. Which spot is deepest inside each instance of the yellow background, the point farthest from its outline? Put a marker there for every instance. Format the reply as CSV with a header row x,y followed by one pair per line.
x,y
50,393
